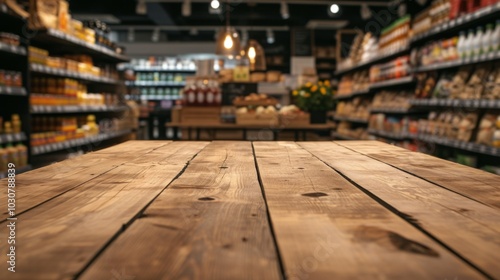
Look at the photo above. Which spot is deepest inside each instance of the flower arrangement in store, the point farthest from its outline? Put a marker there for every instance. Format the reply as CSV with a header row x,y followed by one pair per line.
x,y
315,98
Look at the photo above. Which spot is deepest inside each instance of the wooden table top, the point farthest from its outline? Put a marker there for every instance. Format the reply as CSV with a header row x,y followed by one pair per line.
x,y
254,210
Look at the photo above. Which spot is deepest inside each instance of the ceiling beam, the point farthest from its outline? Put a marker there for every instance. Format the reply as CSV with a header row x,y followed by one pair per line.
x,y
296,2
199,28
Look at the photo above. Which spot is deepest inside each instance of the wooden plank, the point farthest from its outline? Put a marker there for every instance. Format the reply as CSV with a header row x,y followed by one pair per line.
x,y
40,185
58,238
470,228
211,223
326,228
133,147
474,183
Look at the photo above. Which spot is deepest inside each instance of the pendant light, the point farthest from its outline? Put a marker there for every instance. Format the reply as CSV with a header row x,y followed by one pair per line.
x,y
255,54
228,41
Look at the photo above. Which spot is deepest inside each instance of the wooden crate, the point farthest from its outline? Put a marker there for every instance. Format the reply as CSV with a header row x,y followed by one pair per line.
x,y
295,120
255,119
200,115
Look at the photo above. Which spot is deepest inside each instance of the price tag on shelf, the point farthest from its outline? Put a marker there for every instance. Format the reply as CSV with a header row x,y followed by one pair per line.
x,y
484,103
8,90
18,137
9,138
482,148
476,103
491,103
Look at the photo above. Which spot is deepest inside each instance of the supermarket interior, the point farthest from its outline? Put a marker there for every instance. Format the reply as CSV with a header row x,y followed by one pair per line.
x,y
80,76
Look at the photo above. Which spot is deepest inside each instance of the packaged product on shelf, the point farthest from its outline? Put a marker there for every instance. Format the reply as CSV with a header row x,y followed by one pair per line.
x,y
466,126
460,81
492,83
487,128
7,128
43,14
475,85
16,123
23,154
4,159
444,86
425,84
9,38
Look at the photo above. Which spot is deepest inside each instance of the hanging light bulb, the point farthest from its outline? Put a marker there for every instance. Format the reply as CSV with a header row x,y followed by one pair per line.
x,y
270,36
251,53
285,13
141,8
228,42
214,4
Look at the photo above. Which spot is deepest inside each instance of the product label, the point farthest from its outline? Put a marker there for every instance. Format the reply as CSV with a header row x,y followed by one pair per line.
x,y
191,97
200,98
210,97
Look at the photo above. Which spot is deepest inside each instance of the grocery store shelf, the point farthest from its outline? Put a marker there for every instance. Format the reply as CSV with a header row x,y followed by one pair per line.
x,y
13,137
155,83
152,97
379,58
395,136
460,23
391,110
348,119
393,82
351,95
272,88
56,38
39,109
466,146
17,50
38,68
458,103
460,62
38,150
18,171
5,90
343,137
162,69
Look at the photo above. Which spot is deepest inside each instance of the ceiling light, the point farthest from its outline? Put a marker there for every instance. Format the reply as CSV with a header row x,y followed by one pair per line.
x,y
131,35
334,8
366,13
186,8
141,8
256,56
270,36
285,13
155,37
214,4
228,42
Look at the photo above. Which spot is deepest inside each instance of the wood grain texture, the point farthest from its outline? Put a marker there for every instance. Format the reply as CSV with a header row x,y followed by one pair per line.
x,y
58,238
210,223
470,228
39,185
326,228
474,183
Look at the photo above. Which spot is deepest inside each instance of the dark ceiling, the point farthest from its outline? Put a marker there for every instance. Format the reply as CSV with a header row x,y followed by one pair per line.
x,y
243,13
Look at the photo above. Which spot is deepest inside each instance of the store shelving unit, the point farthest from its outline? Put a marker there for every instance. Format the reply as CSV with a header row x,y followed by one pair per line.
x,y
353,94
155,83
42,69
461,23
59,43
15,99
457,63
381,57
37,109
392,110
394,136
457,103
466,146
392,83
49,148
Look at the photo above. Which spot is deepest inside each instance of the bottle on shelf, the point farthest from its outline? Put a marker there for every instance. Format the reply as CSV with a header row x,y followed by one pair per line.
x,y
7,128
4,159
23,154
13,154
201,93
495,39
461,44
16,123
468,44
486,42
477,42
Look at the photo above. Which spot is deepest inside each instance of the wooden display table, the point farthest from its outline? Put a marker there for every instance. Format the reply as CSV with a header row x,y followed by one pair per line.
x,y
299,130
254,210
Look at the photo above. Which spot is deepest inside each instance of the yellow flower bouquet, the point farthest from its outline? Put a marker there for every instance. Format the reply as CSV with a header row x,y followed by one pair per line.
x,y
314,97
